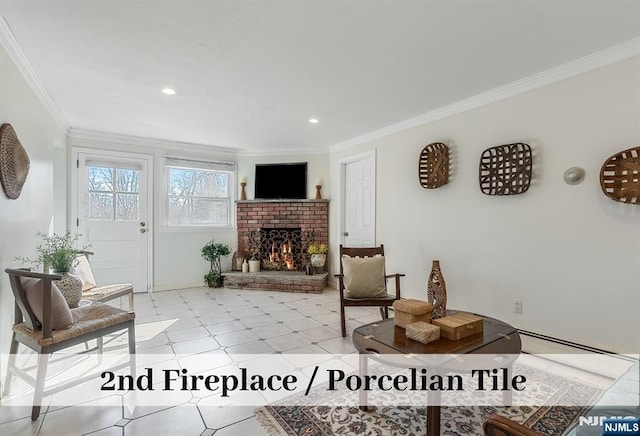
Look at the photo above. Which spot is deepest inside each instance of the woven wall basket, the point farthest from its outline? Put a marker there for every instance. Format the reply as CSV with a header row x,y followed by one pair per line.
x,y
620,176
14,162
506,169
433,165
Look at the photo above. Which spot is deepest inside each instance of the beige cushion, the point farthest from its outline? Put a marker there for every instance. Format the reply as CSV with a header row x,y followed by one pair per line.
x,y
60,313
364,277
82,270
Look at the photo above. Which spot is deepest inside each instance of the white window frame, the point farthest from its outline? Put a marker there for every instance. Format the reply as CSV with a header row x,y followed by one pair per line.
x,y
193,164
110,164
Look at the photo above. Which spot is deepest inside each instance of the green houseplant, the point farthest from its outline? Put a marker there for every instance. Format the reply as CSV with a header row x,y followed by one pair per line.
x,y
58,253
213,251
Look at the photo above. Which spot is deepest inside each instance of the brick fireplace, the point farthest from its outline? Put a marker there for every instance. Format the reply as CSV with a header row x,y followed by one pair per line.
x,y
268,230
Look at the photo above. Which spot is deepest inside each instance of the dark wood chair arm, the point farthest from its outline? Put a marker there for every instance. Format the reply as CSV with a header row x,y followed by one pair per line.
x,y
15,273
397,277
85,252
26,272
501,426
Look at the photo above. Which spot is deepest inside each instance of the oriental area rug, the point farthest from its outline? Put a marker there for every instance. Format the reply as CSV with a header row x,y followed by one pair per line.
x,y
546,419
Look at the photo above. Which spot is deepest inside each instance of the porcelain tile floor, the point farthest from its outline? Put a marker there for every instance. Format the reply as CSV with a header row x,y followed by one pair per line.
x,y
202,320
218,322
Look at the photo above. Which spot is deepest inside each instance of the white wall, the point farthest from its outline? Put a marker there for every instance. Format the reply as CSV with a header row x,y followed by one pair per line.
x,y
177,262
571,254
176,253
20,219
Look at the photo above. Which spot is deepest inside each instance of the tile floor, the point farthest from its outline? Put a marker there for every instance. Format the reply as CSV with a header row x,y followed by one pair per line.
x,y
200,320
218,322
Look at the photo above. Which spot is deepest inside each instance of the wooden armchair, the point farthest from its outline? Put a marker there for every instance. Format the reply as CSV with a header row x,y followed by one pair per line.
x,y
44,323
500,426
100,294
375,281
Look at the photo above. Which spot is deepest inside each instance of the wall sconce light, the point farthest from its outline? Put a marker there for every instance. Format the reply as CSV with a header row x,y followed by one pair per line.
x,y
318,188
243,183
574,176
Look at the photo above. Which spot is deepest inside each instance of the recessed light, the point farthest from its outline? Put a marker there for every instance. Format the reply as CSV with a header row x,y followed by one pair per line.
x,y
313,120
168,91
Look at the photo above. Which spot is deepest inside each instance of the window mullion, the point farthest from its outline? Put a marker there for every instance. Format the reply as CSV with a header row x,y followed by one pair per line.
x,y
113,193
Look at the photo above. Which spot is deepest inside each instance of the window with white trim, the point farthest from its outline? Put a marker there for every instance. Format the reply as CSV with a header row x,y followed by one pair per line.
x,y
199,193
113,191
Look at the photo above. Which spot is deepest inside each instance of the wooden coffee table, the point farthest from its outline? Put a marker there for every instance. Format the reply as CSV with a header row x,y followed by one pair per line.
x,y
383,337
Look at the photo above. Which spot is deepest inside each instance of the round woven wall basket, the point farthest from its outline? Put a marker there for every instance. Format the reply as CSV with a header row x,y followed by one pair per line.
x,y
14,162
620,176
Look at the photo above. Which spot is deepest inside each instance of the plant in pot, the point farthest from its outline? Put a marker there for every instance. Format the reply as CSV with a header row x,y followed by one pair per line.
x,y
58,254
318,252
213,251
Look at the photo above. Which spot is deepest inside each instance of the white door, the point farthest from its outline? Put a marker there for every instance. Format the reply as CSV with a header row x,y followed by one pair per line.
x,y
113,217
359,175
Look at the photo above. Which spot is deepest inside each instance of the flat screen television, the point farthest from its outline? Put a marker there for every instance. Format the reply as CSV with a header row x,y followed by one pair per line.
x,y
281,181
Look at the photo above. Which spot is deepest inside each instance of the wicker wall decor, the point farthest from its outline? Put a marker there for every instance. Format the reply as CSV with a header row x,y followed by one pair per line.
x,y
433,166
506,169
620,176
14,162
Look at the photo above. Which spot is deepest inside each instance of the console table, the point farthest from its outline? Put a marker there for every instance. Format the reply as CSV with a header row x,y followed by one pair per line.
x,y
383,337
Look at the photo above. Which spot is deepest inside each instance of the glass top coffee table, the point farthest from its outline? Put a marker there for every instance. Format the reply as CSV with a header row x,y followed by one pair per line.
x,y
384,338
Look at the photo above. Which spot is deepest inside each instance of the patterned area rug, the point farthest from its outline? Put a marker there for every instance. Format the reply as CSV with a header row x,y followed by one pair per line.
x,y
401,420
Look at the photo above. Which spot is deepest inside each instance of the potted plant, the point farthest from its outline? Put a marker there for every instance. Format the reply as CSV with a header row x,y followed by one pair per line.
x,y
212,252
318,252
58,253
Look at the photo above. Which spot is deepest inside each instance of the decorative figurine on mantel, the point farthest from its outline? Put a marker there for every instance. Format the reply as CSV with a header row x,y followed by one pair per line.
x,y
437,291
243,184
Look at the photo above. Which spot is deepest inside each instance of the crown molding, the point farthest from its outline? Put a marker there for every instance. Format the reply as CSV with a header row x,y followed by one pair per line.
x,y
10,44
114,138
282,152
603,58
130,140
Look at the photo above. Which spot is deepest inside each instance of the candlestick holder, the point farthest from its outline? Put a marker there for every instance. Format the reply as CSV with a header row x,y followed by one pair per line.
x,y
318,194
243,193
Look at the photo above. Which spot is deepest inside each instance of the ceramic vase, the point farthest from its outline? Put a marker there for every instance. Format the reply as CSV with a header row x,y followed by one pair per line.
x,y
318,261
254,265
71,288
437,291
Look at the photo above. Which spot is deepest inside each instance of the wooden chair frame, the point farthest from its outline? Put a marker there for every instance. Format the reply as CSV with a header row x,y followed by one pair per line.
x,y
24,314
383,302
498,425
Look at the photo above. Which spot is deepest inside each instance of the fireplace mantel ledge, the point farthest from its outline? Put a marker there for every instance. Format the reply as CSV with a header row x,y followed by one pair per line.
x,y
284,200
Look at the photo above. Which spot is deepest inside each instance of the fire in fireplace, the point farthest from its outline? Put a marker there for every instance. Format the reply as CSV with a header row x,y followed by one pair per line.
x,y
280,249
281,254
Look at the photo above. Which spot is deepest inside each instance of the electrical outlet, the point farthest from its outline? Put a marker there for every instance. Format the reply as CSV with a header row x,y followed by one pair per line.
x,y
517,306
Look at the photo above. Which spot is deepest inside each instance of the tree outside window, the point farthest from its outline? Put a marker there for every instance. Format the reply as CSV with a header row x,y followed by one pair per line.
x,y
198,197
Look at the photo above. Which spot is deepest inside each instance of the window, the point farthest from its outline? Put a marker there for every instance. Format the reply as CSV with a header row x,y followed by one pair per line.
x,y
113,192
199,193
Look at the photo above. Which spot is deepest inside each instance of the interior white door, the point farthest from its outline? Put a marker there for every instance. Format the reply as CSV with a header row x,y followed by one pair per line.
x,y
359,201
113,217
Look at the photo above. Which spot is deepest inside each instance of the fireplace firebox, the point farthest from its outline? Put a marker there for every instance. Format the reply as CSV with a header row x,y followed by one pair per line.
x,y
281,249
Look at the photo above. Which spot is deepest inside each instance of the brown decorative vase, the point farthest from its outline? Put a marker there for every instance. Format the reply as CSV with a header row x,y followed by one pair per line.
x,y
437,291
71,288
